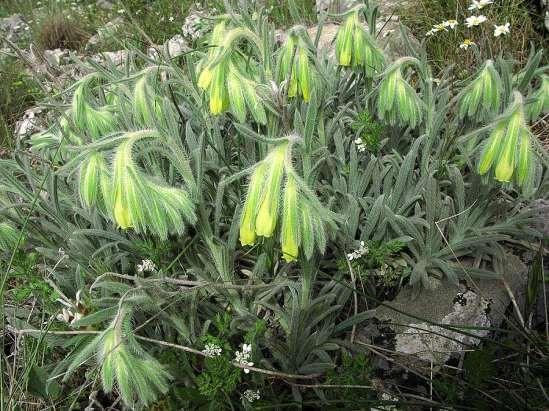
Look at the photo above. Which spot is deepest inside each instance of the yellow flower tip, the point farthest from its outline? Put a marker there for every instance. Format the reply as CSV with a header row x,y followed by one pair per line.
x,y
504,171
247,236
205,78
290,251
266,222
216,105
122,215
247,232
345,58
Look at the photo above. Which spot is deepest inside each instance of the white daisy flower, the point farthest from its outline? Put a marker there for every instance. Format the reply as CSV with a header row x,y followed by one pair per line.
x,y
466,44
450,23
479,4
503,29
474,20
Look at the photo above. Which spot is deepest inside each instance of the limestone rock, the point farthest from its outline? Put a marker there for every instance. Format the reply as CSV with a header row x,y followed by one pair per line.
x,y
418,320
14,28
104,32
29,123
104,4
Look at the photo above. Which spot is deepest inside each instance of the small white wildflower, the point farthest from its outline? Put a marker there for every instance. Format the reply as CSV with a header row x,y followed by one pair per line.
x,y
473,21
121,11
440,27
479,4
212,350
242,357
249,364
466,44
146,266
172,18
504,29
450,23
361,251
360,146
251,395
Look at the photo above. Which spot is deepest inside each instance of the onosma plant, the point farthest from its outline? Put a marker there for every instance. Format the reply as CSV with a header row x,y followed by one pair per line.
x,y
199,203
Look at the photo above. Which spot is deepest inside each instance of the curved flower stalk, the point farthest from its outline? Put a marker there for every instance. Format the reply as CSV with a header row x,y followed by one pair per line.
x,y
8,237
398,102
142,202
93,121
139,378
482,96
508,151
296,66
224,78
53,142
147,104
541,99
304,220
355,46
94,181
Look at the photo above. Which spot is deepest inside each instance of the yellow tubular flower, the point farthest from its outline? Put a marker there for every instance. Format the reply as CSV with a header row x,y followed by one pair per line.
x,y
492,149
249,213
344,40
268,210
524,158
506,164
290,223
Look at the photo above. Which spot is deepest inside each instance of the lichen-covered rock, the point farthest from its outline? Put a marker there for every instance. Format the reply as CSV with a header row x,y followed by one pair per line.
x,y
105,32
14,28
436,344
427,324
30,123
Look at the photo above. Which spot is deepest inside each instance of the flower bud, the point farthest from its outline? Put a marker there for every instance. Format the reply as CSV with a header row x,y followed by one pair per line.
x,y
251,205
492,149
146,104
218,92
398,102
482,96
268,209
89,184
290,221
356,47
344,40
506,163
541,96
524,166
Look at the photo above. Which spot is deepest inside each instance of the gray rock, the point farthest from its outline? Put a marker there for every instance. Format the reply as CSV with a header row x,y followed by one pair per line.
x,y
416,319
389,37
57,57
29,123
104,4
105,32
175,47
115,57
14,28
